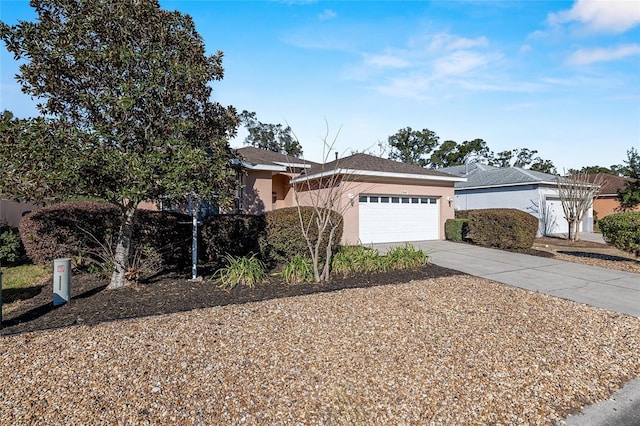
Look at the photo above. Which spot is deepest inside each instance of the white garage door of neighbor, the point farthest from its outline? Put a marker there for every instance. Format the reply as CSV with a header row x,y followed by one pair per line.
x,y
391,218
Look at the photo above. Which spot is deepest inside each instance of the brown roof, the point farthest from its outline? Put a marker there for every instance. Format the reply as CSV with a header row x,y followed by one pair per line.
x,y
372,163
610,183
262,156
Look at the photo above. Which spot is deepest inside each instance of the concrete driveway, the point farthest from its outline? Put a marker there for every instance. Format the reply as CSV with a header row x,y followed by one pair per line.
x,y
605,288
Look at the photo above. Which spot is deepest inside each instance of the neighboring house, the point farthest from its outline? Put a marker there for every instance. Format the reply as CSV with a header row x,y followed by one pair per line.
x,y
606,202
12,211
381,200
512,187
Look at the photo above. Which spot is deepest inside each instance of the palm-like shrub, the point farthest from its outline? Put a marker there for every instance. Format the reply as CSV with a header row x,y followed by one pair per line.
x,y
298,270
246,270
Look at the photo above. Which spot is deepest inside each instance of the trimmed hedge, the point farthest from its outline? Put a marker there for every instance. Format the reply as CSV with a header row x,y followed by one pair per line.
x,y
622,230
508,229
284,237
235,235
80,229
456,229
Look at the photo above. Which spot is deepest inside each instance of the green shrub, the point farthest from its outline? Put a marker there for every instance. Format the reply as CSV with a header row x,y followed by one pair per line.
x,y
405,257
508,229
284,238
235,235
298,270
622,230
86,232
350,260
11,247
456,229
245,270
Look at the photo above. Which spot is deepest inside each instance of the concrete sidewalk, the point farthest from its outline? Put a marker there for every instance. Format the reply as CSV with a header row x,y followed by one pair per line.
x,y
605,288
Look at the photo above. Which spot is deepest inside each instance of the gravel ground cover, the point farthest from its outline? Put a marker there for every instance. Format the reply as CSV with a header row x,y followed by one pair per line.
x,y
452,349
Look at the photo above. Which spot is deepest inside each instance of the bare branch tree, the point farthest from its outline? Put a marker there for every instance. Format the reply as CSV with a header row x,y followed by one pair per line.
x,y
576,195
323,192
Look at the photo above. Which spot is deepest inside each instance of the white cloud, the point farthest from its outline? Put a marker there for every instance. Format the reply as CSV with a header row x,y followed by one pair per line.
x,y
611,16
386,61
590,56
460,62
327,14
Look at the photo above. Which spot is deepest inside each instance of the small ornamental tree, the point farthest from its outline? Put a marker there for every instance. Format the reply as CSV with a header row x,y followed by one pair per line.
x,y
576,195
125,89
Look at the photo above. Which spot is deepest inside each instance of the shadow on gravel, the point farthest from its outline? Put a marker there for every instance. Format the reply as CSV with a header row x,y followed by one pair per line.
x,y
595,255
173,293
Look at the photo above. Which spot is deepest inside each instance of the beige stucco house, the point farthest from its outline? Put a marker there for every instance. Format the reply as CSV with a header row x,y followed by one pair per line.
x,y
381,200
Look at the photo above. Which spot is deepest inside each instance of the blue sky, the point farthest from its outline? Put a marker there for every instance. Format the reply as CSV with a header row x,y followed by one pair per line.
x,y
562,77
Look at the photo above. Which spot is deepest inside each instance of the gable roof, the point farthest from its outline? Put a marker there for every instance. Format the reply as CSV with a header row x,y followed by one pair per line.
x,y
368,165
493,177
610,183
262,159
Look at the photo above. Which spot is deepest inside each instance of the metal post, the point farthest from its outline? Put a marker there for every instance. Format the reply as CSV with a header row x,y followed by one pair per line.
x,y
0,298
61,281
194,208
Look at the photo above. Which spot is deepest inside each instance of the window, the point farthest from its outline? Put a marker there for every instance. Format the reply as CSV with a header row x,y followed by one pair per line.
x,y
373,199
415,200
424,200
433,201
384,199
405,200
395,200
362,199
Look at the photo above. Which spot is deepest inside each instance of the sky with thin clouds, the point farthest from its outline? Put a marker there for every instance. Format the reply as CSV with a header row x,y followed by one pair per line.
x,y
561,77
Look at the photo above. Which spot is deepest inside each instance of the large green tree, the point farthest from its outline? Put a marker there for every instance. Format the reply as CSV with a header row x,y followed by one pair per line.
x,y
629,197
451,153
412,146
272,137
126,109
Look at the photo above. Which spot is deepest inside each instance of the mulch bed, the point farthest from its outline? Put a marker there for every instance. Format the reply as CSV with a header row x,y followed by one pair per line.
x,y
91,303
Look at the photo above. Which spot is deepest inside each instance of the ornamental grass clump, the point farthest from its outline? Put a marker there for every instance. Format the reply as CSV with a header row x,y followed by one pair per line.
x,y
245,270
351,260
405,257
298,270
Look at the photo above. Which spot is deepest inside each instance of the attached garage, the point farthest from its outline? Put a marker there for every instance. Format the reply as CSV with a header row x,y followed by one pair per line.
x,y
398,218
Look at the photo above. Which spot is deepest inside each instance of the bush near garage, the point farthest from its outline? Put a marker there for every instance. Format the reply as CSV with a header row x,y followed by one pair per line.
x,y
235,235
85,231
622,230
508,229
456,229
284,237
11,247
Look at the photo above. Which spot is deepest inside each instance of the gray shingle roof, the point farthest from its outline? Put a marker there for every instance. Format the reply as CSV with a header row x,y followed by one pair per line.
x,y
366,162
505,176
255,156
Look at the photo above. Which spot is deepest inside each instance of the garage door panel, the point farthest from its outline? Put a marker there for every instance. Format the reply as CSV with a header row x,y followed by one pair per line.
x,y
415,219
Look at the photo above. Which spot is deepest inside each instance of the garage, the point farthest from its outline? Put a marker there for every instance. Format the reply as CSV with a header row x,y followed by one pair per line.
x,y
398,218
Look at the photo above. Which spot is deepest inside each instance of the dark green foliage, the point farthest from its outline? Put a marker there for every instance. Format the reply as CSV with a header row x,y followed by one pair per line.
x,y
11,247
284,237
235,235
272,137
629,196
622,230
456,229
508,229
85,231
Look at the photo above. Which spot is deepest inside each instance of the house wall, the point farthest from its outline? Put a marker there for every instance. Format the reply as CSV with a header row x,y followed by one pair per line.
x,y
533,199
348,205
257,193
606,205
12,211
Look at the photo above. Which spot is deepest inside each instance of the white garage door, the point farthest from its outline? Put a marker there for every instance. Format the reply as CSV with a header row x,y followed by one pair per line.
x,y
391,218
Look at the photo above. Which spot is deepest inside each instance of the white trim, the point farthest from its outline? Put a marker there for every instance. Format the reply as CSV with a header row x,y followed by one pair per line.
x,y
351,172
302,165
502,185
267,167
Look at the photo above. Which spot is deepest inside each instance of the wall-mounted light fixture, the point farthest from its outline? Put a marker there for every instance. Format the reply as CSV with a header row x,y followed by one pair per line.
x,y
351,197
449,200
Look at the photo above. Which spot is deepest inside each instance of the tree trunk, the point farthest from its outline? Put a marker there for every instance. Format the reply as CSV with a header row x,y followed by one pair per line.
x,y
122,249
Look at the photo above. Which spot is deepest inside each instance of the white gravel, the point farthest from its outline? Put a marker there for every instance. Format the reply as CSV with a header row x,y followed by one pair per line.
x,y
451,350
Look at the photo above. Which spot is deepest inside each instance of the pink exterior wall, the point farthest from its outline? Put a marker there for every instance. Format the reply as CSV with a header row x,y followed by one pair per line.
x,y
257,192
350,235
606,205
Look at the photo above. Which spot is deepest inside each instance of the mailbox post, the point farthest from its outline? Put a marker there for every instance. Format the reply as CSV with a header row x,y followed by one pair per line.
x,y
61,281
